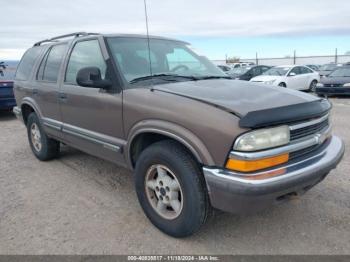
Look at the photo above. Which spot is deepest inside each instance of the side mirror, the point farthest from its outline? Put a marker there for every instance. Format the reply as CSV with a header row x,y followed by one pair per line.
x,y
91,77
292,74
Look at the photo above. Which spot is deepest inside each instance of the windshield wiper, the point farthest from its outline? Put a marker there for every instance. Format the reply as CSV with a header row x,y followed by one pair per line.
x,y
212,77
166,77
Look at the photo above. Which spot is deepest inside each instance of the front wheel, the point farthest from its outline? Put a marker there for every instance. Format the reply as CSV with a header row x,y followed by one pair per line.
x,y
313,85
171,189
282,85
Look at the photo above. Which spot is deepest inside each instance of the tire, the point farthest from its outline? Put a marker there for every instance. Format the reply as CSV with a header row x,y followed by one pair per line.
x,y
49,148
193,207
312,86
282,84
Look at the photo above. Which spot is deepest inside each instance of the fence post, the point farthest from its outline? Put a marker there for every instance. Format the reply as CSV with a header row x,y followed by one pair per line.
x,y
294,58
336,56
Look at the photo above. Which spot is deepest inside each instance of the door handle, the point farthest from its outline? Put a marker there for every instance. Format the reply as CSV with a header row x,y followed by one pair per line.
x,y
35,91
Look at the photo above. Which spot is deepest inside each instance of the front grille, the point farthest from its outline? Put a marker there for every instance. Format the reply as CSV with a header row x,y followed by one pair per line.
x,y
302,152
333,85
309,130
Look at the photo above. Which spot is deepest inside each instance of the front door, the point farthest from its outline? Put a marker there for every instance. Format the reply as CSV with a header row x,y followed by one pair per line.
x,y
295,81
92,117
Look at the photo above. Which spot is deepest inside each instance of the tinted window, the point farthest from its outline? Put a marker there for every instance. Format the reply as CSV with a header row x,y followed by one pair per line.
x,y
50,65
27,63
296,70
305,70
85,54
277,71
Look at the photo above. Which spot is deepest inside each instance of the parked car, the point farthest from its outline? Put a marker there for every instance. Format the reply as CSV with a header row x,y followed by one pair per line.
x,y
7,72
247,73
225,68
337,83
314,67
294,77
240,64
194,139
325,70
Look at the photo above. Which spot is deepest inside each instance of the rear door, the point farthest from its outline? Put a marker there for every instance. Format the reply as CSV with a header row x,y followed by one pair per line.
x,y
92,117
46,89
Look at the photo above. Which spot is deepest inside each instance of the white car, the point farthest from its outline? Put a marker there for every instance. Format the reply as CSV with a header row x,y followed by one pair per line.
x,y
291,76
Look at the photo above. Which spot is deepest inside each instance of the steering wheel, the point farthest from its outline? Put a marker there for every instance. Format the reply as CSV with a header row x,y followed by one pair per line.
x,y
176,68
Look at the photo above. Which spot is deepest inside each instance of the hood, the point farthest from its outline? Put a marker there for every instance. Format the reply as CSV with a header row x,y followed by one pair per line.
x,y
324,72
235,96
335,80
264,78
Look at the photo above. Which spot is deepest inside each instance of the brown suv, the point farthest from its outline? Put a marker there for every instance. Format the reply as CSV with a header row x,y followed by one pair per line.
x,y
194,138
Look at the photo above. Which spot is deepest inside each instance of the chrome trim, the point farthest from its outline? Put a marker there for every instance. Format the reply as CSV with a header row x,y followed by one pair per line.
x,y
308,123
54,124
321,162
17,111
92,137
315,139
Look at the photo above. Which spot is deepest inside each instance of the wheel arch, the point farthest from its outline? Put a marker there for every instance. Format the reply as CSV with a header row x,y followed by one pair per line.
x,y
28,106
148,132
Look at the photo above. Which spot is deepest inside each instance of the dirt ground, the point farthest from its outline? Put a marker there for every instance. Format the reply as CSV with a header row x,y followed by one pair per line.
x,y
79,204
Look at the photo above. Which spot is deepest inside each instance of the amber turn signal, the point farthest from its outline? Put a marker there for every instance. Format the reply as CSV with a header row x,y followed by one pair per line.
x,y
254,165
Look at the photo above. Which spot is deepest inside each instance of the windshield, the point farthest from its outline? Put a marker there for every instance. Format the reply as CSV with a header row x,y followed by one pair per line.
x,y
240,71
167,58
277,71
342,72
328,67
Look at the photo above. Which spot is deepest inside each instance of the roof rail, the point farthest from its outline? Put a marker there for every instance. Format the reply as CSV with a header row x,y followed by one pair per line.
x,y
54,39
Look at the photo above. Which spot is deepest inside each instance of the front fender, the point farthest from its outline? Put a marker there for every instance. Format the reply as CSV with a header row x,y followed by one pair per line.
x,y
184,136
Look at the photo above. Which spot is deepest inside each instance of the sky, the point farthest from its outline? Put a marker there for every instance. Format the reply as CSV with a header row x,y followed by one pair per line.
x,y
217,28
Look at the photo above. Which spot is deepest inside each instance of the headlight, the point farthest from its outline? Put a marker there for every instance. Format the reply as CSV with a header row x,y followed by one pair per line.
x,y
319,85
270,82
263,139
346,85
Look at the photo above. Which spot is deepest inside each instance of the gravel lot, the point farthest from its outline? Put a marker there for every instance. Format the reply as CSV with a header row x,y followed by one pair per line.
x,y
79,204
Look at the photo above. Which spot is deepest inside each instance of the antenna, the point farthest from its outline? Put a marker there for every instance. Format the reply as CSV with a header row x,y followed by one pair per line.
x,y
148,42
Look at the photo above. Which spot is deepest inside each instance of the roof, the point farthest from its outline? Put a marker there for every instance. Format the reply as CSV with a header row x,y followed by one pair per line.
x,y
85,34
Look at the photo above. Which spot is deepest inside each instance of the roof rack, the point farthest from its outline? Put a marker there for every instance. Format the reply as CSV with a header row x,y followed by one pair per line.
x,y
54,39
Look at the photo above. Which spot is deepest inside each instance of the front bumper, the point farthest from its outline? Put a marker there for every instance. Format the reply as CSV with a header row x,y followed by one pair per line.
x,y
332,90
7,103
232,192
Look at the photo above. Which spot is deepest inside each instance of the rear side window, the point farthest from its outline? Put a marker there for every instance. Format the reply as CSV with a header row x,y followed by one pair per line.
x,y
51,63
27,63
85,54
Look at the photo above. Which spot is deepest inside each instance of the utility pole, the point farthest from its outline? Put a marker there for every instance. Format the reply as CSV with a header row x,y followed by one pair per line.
x,y
256,58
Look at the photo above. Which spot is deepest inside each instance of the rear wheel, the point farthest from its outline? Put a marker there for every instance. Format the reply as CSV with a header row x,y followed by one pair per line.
x,y
282,84
43,147
313,85
171,189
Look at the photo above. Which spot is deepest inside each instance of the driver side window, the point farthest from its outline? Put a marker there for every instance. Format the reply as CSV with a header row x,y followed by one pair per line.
x,y
295,70
85,54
